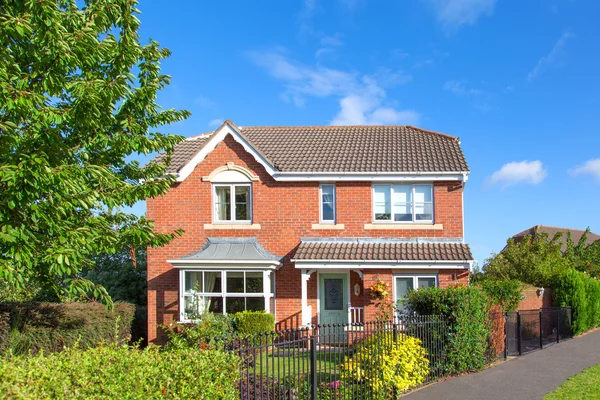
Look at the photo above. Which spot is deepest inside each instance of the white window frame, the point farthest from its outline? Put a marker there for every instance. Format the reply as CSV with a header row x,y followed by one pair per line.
x,y
415,278
267,294
391,189
232,187
327,221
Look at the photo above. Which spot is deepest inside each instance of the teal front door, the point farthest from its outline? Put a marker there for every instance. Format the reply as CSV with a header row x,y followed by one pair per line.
x,y
333,296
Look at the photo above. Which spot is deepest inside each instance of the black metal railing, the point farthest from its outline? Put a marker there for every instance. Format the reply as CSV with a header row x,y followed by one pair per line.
x,y
317,362
529,330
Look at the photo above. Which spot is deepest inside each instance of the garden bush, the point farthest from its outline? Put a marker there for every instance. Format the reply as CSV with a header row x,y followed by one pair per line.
x,y
504,293
466,309
50,327
386,366
4,331
122,372
580,292
208,331
251,322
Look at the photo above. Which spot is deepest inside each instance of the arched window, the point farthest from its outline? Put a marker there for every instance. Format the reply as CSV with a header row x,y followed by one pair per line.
x,y
232,194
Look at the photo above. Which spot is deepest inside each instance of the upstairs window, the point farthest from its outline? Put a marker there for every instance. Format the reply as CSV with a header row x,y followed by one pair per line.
x,y
327,203
403,203
232,203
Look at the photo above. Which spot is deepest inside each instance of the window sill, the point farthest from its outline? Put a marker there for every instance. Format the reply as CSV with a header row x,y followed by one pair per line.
x,y
232,226
433,227
328,226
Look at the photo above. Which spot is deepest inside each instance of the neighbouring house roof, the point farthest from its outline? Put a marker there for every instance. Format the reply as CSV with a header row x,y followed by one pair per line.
x,y
340,149
551,231
382,250
231,249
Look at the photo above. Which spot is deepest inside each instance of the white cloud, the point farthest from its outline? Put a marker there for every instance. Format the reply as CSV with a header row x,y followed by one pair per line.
x,y
215,122
203,101
531,172
453,14
460,88
590,167
363,99
329,45
551,57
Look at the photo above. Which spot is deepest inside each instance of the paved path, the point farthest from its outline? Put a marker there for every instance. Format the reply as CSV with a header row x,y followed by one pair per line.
x,y
527,377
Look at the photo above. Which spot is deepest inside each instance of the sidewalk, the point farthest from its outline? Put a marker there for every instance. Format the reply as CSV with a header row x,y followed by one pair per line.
x,y
527,377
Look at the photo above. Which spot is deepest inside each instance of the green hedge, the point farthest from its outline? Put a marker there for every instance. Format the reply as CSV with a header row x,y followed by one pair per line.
x,y
579,291
50,327
466,311
122,372
251,322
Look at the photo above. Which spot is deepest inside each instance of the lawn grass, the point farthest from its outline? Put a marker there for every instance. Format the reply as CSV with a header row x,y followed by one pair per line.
x,y
585,385
297,363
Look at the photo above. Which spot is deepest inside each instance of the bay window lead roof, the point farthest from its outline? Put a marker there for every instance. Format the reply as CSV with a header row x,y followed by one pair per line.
x,y
232,249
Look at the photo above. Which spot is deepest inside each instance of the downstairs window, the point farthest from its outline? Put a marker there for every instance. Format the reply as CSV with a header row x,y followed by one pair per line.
x,y
224,292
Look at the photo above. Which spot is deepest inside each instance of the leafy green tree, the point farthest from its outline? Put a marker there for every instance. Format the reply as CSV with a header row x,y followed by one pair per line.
x,y
123,276
584,257
534,260
71,112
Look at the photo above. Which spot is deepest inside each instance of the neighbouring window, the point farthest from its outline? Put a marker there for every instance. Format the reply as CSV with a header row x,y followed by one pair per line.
x,y
232,203
403,203
405,283
328,203
224,292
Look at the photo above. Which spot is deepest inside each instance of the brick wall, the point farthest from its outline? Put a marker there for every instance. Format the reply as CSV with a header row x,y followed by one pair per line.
x,y
532,301
286,212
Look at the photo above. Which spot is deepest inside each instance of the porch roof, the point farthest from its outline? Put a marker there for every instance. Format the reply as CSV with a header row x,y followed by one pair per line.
x,y
392,250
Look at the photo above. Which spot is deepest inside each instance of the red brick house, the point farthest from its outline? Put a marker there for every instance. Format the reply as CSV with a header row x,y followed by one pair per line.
x,y
301,221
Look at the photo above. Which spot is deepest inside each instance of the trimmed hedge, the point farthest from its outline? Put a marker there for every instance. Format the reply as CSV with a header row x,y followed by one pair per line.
x,y
465,308
580,292
50,327
251,322
122,372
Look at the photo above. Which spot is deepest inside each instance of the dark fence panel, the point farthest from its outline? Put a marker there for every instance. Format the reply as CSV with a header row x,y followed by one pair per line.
x,y
307,363
530,330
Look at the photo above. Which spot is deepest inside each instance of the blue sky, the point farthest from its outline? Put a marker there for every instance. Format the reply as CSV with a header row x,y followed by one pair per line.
x,y
516,81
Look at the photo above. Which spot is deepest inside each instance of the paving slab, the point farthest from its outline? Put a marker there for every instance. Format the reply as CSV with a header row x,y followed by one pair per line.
x,y
527,377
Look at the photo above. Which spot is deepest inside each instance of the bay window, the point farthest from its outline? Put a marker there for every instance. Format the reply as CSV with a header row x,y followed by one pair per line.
x,y
403,203
232,203
224,292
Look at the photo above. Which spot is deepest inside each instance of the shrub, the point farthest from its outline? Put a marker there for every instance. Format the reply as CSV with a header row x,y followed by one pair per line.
x,y
209,330
386,366
122,372
251,322
466,311
505,293
4,331
50,327
580,292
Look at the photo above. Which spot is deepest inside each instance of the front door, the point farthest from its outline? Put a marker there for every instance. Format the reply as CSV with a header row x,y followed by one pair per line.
x,y
333,296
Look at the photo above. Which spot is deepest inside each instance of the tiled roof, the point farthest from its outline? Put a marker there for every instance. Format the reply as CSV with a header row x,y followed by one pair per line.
x,y
551,231
183,152
386,250
343,149
357,149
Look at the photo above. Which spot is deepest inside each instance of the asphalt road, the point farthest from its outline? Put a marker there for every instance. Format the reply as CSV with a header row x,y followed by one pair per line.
x,y
527,377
